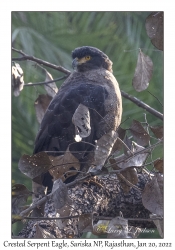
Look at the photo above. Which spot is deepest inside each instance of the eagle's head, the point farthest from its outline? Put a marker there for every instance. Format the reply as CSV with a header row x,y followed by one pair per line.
x,y
88,58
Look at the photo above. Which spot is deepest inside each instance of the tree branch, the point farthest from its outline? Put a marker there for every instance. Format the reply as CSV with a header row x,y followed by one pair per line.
x,y
37,60
34,205
142,105
95,217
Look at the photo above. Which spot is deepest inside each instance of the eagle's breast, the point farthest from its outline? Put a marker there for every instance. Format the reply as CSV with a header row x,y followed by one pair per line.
x,y
113,101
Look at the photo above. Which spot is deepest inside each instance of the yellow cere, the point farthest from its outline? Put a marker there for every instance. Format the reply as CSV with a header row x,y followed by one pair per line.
x,y
84,59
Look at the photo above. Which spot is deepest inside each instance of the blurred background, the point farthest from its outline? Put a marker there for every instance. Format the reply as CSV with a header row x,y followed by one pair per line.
x,y
51,36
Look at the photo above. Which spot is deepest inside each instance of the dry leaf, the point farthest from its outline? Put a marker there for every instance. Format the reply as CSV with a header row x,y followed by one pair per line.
x,y
41,104
63,212
85,223
118,145
20,189
139,133
65,166
17,79
19,197
152,195
50,88
133,161
157,131
130,174
81,120
59,193
41,233
102,151
143,72
38,211
104,171
38,190
16,217
117,228
158,164
38,193
154,29
35,165
158,223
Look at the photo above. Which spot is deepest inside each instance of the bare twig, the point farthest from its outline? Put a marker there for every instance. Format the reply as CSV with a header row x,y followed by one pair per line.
x,y
78,180
143,219
142,105
131,50
145,150
147,130
42,83
58,152
73,171
37,60
118,171
155,97
95,217
52,218
134,219
38,203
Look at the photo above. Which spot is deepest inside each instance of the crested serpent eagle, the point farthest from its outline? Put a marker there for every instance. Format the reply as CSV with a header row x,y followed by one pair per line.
x,y
93,86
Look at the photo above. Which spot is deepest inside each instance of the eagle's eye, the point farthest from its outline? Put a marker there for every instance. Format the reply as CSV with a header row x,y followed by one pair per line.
x,y
87,58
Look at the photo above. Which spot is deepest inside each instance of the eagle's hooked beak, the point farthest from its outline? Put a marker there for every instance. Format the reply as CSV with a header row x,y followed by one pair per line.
x,y
78,61
75,63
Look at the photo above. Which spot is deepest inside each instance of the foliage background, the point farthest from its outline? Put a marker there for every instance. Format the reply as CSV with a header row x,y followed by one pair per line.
x,y
52,36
